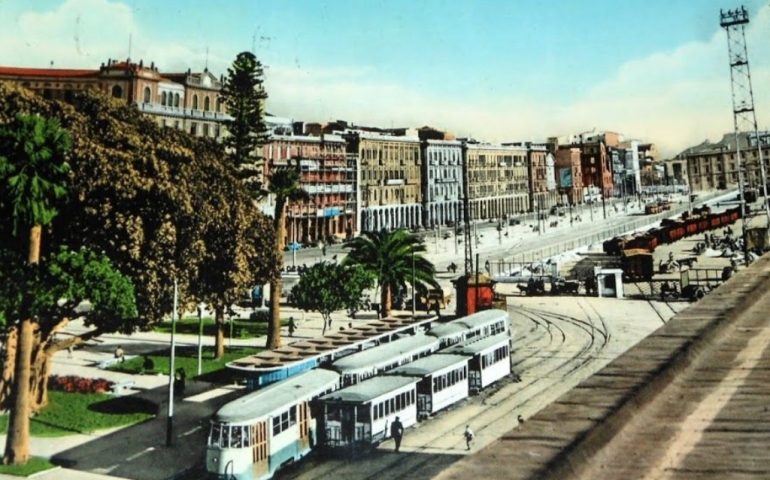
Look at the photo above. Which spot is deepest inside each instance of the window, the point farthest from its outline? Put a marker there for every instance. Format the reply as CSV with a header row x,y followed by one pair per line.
x,y
215,434
205,129
195,102
147,94
117,91
193,128
176,100
206,104
163,98
285,420
219,104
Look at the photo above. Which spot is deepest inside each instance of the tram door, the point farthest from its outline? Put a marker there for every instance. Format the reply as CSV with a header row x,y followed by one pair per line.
x,y
259,449
474,373
304,425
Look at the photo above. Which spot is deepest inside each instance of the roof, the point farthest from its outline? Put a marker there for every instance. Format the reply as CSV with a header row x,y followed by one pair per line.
x,y
385,353
430,364
447,330
370,389
473,348
278,396
47,72
483,317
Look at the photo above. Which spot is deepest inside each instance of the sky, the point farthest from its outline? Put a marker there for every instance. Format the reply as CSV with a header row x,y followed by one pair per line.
x,y
495,70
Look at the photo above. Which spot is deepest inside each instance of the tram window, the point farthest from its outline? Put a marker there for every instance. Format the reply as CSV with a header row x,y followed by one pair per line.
x,y
381,408
412,393
393,405
214,436
399,403
225,437
236,437
387,407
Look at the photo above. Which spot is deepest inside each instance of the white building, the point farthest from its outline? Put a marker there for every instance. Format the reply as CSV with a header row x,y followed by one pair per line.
x,y
442,182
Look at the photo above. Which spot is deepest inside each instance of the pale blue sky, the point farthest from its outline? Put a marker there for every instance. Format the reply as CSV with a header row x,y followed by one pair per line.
x,y
500,70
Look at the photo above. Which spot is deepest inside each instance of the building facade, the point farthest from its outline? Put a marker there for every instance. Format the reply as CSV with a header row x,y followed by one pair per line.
x,y
569,177
388,180
712,166
497,180
327,178
185,101
442,182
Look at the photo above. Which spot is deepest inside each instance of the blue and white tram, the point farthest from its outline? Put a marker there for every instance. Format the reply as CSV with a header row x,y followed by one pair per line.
x,y
443,381
255,435
368,363
361,415
490,360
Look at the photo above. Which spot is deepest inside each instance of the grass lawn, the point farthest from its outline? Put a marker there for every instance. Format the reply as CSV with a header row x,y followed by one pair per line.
x,y
69,413
34,465
241,328
187,358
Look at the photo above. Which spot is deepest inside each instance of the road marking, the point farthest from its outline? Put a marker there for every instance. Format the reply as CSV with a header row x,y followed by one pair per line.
x,y
191,431
137,455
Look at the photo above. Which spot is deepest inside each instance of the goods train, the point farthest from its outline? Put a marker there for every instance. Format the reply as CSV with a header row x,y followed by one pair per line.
x,y
636,250
350,403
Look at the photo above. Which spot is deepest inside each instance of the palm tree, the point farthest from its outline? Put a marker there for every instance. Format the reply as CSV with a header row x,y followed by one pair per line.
x,y
284,185
395,258
33,173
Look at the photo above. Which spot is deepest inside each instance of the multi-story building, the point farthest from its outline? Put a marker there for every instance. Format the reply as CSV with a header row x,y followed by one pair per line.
x,y
442,182
596,167
569,177
325,175
497,180
186,101
715,166
388,180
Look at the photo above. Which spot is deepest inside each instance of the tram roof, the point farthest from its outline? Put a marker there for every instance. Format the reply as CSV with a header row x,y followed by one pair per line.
x,y
384,353
480,318
278,396
430,364
473,348
447,329
370,389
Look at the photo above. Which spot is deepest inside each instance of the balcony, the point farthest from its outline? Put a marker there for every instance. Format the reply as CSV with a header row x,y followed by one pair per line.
x,y
158,109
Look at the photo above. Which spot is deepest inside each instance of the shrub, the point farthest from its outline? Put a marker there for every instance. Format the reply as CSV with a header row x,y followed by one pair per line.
x,y
75,384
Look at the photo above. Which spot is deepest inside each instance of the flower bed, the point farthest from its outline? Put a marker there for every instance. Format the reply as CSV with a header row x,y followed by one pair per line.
x,y
75,384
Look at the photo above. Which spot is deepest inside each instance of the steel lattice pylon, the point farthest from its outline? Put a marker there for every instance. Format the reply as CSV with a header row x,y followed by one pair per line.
x,y
744,114
467,215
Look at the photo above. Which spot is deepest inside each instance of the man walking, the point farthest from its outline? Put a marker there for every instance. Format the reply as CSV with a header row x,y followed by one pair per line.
x,y
468,434
397,431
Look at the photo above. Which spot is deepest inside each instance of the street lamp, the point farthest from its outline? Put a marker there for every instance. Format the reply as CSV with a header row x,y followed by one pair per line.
x,y
170,419
201,306
413,289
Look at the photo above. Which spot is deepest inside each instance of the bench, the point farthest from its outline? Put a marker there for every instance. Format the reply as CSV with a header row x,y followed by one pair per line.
x,y
121,388
112,361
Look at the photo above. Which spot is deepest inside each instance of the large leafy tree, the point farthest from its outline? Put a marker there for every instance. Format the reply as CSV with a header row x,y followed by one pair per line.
x,y
244,96
284,186
33,177
329,287
394,258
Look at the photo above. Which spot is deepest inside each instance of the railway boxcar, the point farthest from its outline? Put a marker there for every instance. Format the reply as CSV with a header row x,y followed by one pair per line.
x,y
365,364
443,381
637,264
489,360
255,435
360,415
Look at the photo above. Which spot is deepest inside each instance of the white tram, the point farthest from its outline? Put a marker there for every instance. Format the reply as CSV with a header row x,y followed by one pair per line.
x,y
475,326
490,360
368,363
361,415
443,381
255,435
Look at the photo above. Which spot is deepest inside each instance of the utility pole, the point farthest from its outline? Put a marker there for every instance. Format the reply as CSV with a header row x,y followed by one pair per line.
x,y
744,115
171,373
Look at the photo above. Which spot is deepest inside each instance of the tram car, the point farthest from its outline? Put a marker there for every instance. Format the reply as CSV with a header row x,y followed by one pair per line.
x,y
254,436
478,325
359,366
443,381
489,360
360,416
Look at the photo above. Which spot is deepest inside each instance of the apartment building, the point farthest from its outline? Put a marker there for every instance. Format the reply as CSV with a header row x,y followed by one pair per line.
x,y
497,180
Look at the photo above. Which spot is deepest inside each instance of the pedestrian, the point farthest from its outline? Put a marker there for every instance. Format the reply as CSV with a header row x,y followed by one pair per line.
x,y
468,434
292,326
148,365
120,355
397,431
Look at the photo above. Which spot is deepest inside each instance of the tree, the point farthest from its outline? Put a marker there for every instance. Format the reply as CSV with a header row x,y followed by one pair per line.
x,y
244,96
285,187
392,257
69,284
33,173
329,287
